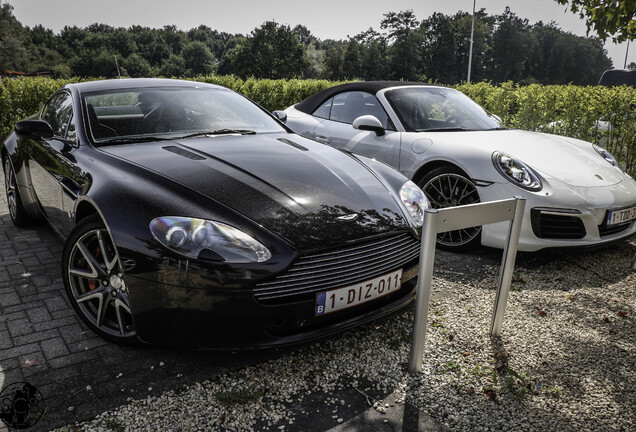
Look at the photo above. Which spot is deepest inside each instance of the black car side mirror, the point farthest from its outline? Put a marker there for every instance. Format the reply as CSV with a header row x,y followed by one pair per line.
x,y
369,123
280,115
34,129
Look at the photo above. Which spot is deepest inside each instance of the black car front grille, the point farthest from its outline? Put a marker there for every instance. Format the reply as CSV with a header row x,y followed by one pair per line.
x,y
604,230
553,226
338,268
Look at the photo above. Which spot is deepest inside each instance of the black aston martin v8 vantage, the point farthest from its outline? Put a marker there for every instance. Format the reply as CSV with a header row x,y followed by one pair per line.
x,y
193,217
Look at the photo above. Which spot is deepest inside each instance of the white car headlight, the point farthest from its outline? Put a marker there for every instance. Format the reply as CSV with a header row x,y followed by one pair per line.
x,y
517,172
415,201
190,236
605,155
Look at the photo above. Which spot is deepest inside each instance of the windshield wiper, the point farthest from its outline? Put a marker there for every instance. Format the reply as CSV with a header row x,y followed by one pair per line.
x,y
497,128
446,129
123,140
220,132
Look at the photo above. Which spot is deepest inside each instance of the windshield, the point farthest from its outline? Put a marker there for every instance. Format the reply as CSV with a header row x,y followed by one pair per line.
x,y
422,109
151,114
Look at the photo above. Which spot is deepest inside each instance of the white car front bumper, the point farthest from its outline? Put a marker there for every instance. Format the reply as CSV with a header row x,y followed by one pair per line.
x,y
561,216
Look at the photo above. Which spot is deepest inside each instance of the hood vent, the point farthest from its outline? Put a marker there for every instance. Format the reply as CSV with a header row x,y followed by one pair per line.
x,y
293,144
183,152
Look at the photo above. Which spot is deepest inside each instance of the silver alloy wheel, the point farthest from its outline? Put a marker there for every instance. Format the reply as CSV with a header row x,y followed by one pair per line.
x,y
96,282
450,190
10,188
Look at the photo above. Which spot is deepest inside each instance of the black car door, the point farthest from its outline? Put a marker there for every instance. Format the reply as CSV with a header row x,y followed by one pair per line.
x,y
52,166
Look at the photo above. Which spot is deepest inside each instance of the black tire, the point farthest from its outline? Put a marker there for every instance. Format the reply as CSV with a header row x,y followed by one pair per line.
x,y
17,212
94,282
448,186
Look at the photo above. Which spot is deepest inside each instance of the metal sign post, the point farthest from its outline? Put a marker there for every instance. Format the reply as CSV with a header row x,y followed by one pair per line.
x,y
450,219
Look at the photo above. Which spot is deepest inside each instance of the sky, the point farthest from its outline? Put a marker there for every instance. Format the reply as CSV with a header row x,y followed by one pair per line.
x,y
326,19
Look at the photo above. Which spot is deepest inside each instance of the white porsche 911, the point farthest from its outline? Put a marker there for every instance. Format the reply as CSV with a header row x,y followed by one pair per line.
x,y
576,194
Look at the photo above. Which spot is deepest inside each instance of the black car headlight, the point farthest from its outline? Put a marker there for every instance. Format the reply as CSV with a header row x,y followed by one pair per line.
x,y
605,155
415,201
517,172
190,236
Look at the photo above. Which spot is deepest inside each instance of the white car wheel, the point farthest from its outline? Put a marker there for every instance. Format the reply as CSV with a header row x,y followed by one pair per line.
x,y
447,186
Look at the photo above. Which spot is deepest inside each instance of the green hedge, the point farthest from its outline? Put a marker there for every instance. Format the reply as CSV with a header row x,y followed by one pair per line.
x,y
271,94
580,112
565,110
23,97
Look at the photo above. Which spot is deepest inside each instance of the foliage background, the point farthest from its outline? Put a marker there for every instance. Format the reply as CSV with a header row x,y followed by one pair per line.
x,y
403,46
561,109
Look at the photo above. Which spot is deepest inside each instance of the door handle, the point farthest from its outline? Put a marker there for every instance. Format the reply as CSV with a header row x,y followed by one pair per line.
x,y
322,139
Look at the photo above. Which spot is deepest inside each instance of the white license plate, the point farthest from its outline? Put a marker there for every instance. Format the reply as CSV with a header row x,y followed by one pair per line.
x,y
620,216
352,295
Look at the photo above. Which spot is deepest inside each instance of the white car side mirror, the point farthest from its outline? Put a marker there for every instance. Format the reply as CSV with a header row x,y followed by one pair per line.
x,y
369,123
280,115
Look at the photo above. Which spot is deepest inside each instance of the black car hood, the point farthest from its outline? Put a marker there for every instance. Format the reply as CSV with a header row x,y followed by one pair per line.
x,y
309,194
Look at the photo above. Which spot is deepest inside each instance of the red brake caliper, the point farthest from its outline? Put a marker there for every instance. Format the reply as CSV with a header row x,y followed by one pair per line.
x,y
92,283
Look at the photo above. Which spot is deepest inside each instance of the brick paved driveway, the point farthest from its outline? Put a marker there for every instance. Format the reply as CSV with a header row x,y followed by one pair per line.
x,y
42,341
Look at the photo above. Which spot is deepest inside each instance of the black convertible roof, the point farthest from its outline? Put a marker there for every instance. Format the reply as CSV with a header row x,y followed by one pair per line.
x,y
310,104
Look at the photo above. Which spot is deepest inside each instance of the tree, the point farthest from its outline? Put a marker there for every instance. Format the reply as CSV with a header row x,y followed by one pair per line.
x,y
332,63
405,59
271,51
149,45
542,65
173,66
482,63
512,47
505,48
315,58
439,48
304,35
198,59
136,66
45,51
215,41
99,63
14,44
374,54
173,38
352,60
615,19
561,58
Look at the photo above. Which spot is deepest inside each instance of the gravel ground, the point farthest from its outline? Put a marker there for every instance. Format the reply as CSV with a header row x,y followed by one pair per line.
x,y
566,361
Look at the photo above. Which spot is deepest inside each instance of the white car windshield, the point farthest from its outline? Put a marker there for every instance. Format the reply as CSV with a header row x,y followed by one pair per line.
x,y
423,109
152,113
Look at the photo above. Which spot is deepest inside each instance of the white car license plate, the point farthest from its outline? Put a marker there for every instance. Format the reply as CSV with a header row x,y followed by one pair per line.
x,y
620,216
352,295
